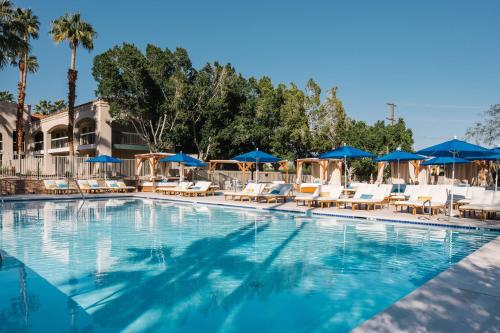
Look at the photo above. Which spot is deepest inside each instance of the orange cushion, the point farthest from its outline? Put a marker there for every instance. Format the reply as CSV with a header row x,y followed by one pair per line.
x,y
308,189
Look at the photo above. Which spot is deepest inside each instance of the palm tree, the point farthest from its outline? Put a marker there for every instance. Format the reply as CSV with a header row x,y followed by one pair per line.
x,y
70,27
6,96
10,42
26,26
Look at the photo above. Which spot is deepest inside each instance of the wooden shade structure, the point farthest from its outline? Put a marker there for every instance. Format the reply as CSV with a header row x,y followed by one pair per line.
x,y
244,167
153,159
323,166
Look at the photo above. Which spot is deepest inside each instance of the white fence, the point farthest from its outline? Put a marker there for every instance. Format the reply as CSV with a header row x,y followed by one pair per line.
x,y
45,167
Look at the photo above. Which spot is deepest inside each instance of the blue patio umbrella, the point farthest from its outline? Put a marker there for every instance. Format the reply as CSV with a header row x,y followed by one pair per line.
x,y
444,161
257,156
104,159
345,152
454,148
183,160
399,155
495,158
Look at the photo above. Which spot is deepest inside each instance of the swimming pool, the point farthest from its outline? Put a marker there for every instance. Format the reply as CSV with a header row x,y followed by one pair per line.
x,y
135,265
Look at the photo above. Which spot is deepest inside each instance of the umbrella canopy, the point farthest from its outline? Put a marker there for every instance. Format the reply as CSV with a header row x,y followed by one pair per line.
x,y
399,155
444,161
456,148
104,159
257,156
195,164
345,152
183,158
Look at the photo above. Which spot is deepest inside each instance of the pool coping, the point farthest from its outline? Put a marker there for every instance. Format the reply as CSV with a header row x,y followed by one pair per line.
x,y
442,304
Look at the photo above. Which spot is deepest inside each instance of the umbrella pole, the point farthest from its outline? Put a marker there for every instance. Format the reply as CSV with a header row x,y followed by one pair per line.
x,y
399,177
345,172
452,182
257,171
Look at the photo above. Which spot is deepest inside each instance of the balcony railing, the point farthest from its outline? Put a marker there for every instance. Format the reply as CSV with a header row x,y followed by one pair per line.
x,y
38,146
87,138
61,142
127,138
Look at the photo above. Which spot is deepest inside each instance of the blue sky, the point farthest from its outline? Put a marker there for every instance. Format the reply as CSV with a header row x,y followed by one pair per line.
x,y
438,60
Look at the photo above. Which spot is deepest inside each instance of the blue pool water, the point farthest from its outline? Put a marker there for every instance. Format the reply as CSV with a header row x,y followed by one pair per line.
x,y
139,265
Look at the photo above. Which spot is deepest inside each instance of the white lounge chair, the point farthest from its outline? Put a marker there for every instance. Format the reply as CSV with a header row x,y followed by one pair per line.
x,y
90,186
251,190
59,186
276,192
368,195
173,187
433,197
482,202
329,194
308,192
201,188
118,186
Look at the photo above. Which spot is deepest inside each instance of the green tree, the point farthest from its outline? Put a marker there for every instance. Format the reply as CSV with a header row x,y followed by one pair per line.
x,y
292,137
26,26
147,90
6,96
487,130
73,29
10,41
329,123
206,107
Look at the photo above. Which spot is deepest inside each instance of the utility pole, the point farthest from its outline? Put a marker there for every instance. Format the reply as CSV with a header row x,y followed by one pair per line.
x,y
392,109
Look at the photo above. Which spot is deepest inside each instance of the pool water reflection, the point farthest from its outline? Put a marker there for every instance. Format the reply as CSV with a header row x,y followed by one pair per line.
x,y
135,265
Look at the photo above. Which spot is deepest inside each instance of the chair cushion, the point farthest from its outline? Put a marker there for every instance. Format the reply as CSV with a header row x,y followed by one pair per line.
x,y
62,185
366,196
424,198
274,192
308,189
324,194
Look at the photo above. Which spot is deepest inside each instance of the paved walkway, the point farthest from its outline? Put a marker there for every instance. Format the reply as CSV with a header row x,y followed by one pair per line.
x,y
385,214
464,298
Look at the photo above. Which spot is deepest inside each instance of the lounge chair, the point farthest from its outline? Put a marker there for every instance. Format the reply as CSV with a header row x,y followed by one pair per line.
x,y
329,194
50,186
472,191
201,188
125,187
368,195
90,186
482,202
174,188
308,192
494,207
59,186
250,191
118,186
276,192
433,197
405,195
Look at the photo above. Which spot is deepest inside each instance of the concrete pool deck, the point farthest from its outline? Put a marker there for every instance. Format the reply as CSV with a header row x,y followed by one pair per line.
x,y
464,298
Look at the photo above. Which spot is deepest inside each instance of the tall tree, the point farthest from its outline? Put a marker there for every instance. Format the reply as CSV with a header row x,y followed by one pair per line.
x,y
10,41
26,26
147,91
329,123
488,129
73,29
6,96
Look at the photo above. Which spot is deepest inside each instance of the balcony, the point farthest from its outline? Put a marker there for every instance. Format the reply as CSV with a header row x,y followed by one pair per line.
x,y
59,145
87,141
128,141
